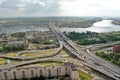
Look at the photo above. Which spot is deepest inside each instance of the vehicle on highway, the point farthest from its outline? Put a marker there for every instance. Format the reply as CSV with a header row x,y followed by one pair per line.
x,y
97,64
117,75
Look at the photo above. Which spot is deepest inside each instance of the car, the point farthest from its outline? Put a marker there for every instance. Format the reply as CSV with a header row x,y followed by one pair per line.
x,y
117,75
97,64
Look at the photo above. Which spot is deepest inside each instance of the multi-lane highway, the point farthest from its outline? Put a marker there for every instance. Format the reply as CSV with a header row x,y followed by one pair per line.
x,y
82,57
9,66
49,54
94,63
91,61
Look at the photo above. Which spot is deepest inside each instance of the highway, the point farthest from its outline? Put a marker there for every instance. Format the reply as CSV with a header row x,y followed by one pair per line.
x,y
82,57
64,60
106,63
99,61
97,64
49,54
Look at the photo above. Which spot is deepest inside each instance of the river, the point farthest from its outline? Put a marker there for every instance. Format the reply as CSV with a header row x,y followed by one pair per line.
x,y
22,28
100,27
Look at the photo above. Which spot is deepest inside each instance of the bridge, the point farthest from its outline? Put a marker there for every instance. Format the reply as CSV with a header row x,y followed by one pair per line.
x,y
91,61
50,54
82,57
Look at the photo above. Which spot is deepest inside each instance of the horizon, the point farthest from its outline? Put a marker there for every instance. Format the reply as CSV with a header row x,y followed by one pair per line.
x,y
61,17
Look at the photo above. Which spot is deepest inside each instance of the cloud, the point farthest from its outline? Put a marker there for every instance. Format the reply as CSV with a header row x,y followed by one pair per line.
x,y
39,2
96,5
59,8
42,8
30,8
21,5
8,4
90,8
1,1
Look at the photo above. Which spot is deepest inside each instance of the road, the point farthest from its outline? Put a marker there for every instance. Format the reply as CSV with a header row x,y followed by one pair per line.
x,y
49,54
64,60
106,63
95,63
91,61
82,57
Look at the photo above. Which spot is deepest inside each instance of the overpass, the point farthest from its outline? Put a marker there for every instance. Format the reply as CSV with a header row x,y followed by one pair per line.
x,y
17,57
97,64
82,57
14,65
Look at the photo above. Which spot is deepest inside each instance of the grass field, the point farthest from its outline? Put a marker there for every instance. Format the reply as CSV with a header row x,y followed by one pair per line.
x,y
84,75
47,64
64,54
37,53
2,61
11,54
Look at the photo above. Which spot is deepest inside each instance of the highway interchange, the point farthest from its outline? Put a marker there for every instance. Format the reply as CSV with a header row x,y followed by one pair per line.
x,y
82,57
91,61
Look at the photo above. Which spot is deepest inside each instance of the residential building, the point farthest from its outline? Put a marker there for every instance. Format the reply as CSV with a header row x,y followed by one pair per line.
x,y
116,49
36,71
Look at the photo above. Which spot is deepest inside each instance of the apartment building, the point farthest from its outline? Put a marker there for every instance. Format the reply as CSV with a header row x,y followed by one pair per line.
x,y
36,71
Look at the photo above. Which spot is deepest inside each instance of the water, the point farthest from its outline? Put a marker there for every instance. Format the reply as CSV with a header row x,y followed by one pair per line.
x,y
100,27
8,61
22,28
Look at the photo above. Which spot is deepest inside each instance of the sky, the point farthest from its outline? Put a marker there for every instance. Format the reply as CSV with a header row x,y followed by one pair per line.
x,y
43,8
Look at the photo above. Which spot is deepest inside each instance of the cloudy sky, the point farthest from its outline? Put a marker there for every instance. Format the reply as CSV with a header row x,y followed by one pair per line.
x,y
31,8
